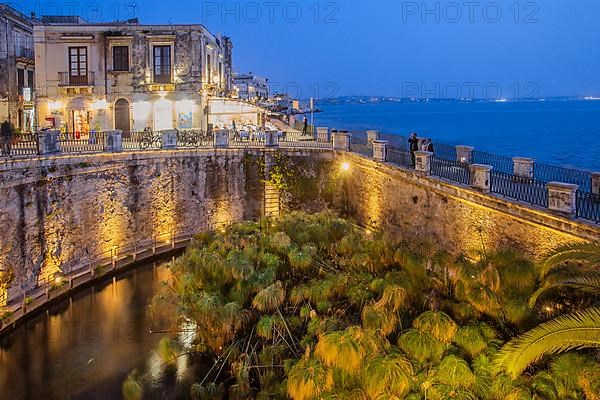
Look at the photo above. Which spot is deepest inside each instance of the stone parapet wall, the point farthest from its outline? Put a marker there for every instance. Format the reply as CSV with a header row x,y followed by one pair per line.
x,y
456,218
58,211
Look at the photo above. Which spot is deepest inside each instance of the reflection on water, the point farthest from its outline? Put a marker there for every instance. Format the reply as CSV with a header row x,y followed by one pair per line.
x,y
85,347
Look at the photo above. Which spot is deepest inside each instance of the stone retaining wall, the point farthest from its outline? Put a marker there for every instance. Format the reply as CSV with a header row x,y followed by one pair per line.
x,y
59,211
455,218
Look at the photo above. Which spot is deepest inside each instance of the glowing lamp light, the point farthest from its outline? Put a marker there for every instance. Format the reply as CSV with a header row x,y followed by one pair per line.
x,y
346,166
58,280
54,105
99,105
185,105
141,110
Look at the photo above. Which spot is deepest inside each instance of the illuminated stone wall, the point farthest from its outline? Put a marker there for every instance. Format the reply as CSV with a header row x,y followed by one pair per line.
x,y
58,211
426,210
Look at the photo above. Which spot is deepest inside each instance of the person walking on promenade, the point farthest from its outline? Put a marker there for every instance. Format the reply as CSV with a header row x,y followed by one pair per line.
x,y
305,128
413,145
6,136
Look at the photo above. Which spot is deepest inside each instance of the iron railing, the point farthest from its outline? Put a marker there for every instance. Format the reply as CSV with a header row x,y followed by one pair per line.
x,y
361,145
247,138
450,170
588,206
398,156
24,52
526,190
86,79
500,163
142,140
25,144
90,142
551,173
397,141
194,138
444,151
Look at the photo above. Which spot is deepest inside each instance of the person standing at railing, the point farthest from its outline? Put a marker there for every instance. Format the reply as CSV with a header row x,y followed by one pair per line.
x,y
305,128
413,145
427,145
6,136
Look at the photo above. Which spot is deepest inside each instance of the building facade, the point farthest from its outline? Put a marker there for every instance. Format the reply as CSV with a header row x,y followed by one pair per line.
x,y
17,76
250,87
127,76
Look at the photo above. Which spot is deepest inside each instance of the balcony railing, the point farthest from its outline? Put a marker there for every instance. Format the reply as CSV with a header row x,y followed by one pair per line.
x,y
66,79
24,52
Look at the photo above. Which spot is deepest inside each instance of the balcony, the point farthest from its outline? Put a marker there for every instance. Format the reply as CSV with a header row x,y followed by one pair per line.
x,y
24,52
66,79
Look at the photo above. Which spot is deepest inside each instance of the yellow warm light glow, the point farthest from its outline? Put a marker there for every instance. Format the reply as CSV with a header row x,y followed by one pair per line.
x,y
185,105
50,268
164,205
57,280
141,110
99,105
374,205
55,105
112,221
346,166
163,104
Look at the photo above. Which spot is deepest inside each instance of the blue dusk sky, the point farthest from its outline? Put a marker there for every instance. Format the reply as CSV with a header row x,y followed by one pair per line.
x,y
390,47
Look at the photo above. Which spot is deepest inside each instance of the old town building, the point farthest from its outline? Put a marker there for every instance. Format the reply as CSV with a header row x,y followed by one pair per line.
x,y
16,69
127,76
250,87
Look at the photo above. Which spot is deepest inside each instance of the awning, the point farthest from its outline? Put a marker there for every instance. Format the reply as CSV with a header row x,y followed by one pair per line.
x,y
78,103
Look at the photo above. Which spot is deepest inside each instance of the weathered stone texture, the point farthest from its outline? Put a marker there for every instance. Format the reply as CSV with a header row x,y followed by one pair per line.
x,y
58,212
458,219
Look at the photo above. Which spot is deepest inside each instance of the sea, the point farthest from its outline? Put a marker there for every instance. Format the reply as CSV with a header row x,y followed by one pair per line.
x,y
558,132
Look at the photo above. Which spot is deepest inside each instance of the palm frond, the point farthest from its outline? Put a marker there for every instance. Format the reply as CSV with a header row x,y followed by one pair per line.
x,y
269,298
340,350
589,283
389,373
586,252
438,324
469,339
421,346
568,332
455,372
308,378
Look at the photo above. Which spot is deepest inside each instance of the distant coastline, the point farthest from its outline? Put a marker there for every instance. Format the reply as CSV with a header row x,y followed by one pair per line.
x,y
395,99
563,131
